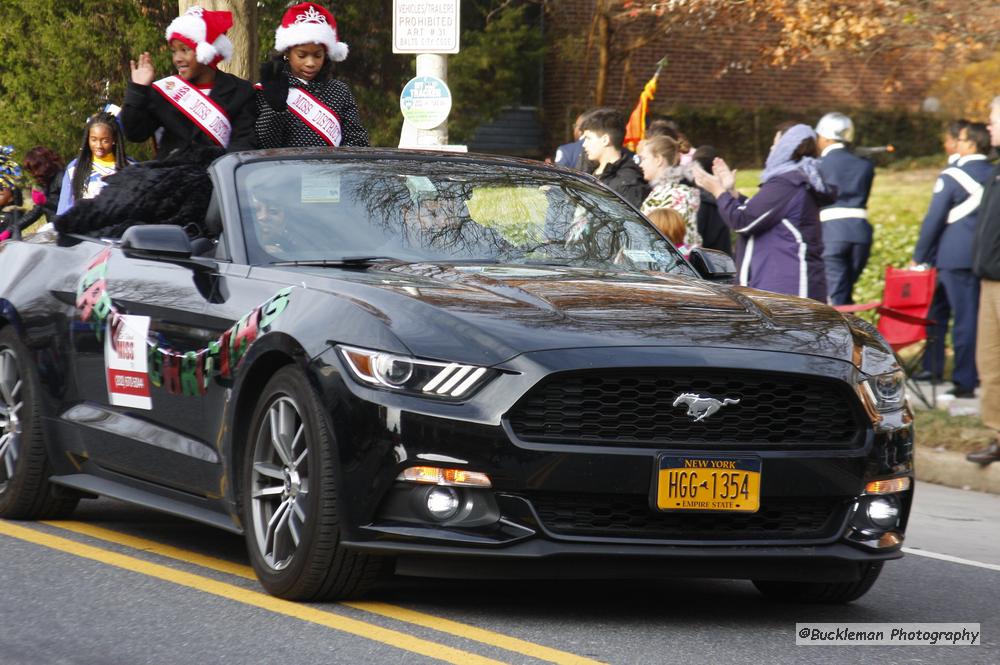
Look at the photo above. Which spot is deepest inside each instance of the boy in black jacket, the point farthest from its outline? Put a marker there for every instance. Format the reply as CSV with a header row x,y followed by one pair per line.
x,y
200,106
603,133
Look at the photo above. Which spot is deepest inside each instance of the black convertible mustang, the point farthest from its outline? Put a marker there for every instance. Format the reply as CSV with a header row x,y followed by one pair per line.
x,y
380,361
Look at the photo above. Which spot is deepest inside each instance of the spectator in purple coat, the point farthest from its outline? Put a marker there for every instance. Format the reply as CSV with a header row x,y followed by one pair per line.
x,y
780,238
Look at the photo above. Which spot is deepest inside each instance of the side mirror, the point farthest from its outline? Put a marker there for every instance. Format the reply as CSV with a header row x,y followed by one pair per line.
x,y
713,265
151,241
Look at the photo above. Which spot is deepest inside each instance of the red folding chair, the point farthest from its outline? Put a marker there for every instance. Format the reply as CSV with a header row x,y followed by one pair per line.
x,y
902,319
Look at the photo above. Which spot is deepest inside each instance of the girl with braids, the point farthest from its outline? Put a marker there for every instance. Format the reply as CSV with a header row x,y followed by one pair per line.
x,y
102,153
298,102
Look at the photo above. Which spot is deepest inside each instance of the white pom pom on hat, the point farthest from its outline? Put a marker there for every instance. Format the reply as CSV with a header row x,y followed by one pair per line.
x,y
204,31
309,23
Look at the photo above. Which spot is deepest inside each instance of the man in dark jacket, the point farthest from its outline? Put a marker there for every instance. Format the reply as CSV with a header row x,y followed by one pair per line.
x,y
603,133
946,241
986,266
198,107
571,154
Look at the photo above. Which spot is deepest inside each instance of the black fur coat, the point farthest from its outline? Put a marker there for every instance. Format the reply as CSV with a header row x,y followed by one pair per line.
x,y
166,192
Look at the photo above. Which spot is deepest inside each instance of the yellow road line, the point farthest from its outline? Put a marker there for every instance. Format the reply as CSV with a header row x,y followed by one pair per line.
x,y
153,547
382,609
263,601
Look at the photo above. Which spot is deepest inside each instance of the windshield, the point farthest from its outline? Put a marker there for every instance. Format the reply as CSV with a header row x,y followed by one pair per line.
x,y
440,211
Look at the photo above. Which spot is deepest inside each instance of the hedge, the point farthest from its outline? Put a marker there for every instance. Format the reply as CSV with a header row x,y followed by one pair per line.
x,y
743,136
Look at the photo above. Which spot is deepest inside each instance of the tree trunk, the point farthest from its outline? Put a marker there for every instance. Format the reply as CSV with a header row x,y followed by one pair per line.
x,y
603,51
243,34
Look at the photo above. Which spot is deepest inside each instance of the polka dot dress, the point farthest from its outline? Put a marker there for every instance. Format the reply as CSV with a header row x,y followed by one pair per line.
x,y
282,129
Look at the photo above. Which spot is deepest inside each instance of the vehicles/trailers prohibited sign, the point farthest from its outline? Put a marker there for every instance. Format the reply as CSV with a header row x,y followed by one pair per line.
x,y
425,26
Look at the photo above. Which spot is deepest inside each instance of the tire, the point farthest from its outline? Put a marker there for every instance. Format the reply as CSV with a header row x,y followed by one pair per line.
x,y
25,491
821,592
294,487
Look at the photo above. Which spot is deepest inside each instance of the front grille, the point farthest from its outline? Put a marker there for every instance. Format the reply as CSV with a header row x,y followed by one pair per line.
x,y
635,408
630,516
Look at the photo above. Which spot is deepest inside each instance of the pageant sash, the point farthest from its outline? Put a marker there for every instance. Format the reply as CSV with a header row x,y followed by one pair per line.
x,y
198,107
316,115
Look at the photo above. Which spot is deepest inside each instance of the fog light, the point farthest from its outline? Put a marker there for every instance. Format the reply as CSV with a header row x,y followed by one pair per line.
x,y
442,502
883,512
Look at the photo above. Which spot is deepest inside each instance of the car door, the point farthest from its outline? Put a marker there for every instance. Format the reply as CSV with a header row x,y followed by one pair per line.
x,y
146,417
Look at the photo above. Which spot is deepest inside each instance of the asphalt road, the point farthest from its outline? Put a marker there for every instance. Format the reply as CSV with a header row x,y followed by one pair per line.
x,y
122,585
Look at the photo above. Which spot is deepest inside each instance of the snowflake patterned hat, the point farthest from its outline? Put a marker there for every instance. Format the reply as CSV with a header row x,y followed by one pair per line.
x,y
309,23
204,31
10,172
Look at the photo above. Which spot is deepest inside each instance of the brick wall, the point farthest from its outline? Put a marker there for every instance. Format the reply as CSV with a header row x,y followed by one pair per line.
x,y
710,71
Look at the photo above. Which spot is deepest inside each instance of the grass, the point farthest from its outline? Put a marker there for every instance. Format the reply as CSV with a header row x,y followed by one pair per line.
x,y
937,429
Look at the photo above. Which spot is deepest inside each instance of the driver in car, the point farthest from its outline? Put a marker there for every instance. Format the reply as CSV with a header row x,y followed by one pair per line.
x,y
275,233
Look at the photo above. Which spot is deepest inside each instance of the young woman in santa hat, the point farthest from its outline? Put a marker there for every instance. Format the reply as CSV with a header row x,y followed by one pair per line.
x,y
298,101
200,106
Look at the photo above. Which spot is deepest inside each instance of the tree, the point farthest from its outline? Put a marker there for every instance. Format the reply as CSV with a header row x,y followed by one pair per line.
x,y
966,92
822,30
61,60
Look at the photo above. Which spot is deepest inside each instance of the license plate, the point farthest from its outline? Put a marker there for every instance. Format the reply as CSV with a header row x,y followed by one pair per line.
x,y
708,483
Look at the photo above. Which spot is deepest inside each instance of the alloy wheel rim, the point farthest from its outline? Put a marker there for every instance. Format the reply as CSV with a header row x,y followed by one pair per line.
x,y
10,422
279,484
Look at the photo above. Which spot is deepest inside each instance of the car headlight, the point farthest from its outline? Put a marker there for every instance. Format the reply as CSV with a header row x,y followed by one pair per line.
x,y
886,392
407,374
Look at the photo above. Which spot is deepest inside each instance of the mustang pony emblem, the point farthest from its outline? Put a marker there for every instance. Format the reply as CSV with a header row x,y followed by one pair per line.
x,y
702,407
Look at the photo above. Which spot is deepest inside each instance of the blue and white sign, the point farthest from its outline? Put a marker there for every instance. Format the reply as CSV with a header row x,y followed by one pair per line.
x,y
425,102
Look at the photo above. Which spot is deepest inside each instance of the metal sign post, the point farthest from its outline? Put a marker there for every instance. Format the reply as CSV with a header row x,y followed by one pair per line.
x,y
429,29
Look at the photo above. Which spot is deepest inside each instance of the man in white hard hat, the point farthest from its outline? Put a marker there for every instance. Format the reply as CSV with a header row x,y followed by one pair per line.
x,y
847,235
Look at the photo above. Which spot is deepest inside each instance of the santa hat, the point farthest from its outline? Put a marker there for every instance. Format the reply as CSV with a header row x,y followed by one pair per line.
x,y
309,23
204,31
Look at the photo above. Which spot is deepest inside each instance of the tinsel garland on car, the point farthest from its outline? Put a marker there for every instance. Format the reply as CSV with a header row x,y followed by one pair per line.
x,y
189,372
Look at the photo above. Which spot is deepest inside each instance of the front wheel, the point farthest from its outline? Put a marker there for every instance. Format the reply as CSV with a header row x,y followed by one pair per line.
x,y
290,502
821,592
25,491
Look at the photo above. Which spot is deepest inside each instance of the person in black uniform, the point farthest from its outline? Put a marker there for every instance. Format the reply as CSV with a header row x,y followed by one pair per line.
x,y
847,235
571,154
714,232
200,106
946,241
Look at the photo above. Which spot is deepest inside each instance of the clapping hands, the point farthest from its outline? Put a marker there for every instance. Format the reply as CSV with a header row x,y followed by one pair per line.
x,y
721,179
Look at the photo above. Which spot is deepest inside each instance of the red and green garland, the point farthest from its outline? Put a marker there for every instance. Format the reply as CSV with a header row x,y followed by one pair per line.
x,y
185,373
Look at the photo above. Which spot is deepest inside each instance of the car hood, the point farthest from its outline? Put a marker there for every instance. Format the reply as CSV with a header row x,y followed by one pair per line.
x,y
485,314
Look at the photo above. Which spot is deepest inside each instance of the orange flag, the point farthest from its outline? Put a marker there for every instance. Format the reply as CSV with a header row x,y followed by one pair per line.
x,y
635,130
